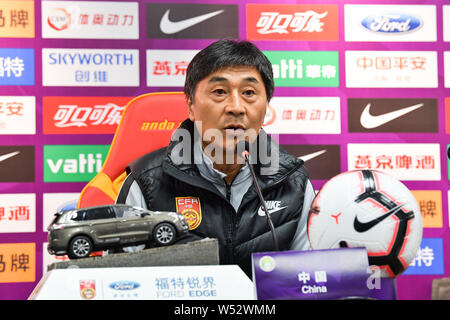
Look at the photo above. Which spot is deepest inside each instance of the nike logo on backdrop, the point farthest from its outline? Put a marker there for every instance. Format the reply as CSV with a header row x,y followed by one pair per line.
x,y
310,156
8,155
369,121
272,207
363,227
171,27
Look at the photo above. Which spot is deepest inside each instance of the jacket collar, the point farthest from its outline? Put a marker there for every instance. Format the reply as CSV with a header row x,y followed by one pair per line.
x,y
270,166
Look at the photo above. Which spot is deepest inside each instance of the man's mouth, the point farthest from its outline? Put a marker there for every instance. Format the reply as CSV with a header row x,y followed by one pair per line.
x,y
234,129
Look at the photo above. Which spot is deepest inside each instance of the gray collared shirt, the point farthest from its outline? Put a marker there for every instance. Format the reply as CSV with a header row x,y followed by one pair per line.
x,y
241,182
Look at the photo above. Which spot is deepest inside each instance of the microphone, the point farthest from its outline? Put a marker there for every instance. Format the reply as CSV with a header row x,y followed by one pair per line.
x,y
246,155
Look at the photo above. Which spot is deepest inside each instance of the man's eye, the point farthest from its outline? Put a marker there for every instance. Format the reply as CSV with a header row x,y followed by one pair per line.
x,y
249,92
219,91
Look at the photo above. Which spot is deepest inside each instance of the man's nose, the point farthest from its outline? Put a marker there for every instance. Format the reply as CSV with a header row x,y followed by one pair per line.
x,y
235,105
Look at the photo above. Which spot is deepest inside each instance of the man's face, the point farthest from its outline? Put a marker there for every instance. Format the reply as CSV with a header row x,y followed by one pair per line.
x,y
231,101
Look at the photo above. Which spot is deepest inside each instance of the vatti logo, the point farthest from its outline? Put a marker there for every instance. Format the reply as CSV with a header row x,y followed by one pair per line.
x,y
73,163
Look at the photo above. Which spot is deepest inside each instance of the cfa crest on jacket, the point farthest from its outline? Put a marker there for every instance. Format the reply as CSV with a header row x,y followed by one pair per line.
x,y
190,208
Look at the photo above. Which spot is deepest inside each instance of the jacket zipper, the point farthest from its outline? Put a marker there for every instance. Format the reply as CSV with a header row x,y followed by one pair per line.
x,y
228,191
231,226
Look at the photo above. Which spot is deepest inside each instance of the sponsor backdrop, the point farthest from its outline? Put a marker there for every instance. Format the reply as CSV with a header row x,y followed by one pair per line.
x,y
360,85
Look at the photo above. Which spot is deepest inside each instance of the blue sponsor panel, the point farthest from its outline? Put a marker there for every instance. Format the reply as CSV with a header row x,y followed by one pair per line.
x,y
16,67
429,259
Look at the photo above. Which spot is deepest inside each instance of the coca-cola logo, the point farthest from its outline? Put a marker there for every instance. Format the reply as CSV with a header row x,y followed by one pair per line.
x,y
83,115
75,116
275,22
297,22
391,23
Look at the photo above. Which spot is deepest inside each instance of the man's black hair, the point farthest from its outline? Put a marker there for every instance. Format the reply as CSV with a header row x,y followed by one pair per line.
x,y
228,53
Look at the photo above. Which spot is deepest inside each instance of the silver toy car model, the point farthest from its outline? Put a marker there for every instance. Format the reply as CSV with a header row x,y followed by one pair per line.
x,y
79,232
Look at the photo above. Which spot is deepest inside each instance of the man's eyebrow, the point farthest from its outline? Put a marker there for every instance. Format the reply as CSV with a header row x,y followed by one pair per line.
x,y
251,79
217,79
222,79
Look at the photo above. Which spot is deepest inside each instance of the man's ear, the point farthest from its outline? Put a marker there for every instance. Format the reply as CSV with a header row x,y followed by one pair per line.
x,y
190,109
265,111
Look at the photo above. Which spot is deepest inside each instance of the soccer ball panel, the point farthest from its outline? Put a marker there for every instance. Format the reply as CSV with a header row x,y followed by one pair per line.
x,y
370,209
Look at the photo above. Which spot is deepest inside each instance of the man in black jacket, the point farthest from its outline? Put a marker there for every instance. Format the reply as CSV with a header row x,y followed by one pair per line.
x,y
201,173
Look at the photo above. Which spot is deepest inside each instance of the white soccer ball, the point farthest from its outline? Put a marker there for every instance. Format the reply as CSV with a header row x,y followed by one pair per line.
x,y
367,208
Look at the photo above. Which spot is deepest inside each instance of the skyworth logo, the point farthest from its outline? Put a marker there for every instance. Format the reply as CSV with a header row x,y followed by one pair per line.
x,y
90,67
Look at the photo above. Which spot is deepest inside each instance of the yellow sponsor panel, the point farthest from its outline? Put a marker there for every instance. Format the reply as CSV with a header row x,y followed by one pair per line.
x,y
17,262
16,19
430,204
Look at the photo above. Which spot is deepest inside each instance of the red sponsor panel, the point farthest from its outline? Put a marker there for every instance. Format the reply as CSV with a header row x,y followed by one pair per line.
x,y
292,22
82,115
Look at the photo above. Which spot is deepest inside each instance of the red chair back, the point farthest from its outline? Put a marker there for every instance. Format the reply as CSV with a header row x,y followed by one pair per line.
x,y
147,124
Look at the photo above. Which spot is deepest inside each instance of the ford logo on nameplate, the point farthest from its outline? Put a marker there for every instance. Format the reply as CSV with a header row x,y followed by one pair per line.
x,y
124,285
391,23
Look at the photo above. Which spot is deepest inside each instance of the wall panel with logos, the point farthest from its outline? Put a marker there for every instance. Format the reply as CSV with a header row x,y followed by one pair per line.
x,y
359,85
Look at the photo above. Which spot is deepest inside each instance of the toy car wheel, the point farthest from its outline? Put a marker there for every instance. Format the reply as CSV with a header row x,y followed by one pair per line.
x,y
164,234
80,247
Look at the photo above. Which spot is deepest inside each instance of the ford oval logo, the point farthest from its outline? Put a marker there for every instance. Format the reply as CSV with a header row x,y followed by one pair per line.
x,y
391,23
124,285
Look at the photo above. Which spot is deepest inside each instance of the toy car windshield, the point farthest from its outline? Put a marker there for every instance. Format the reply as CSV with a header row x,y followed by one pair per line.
x,y
69,217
